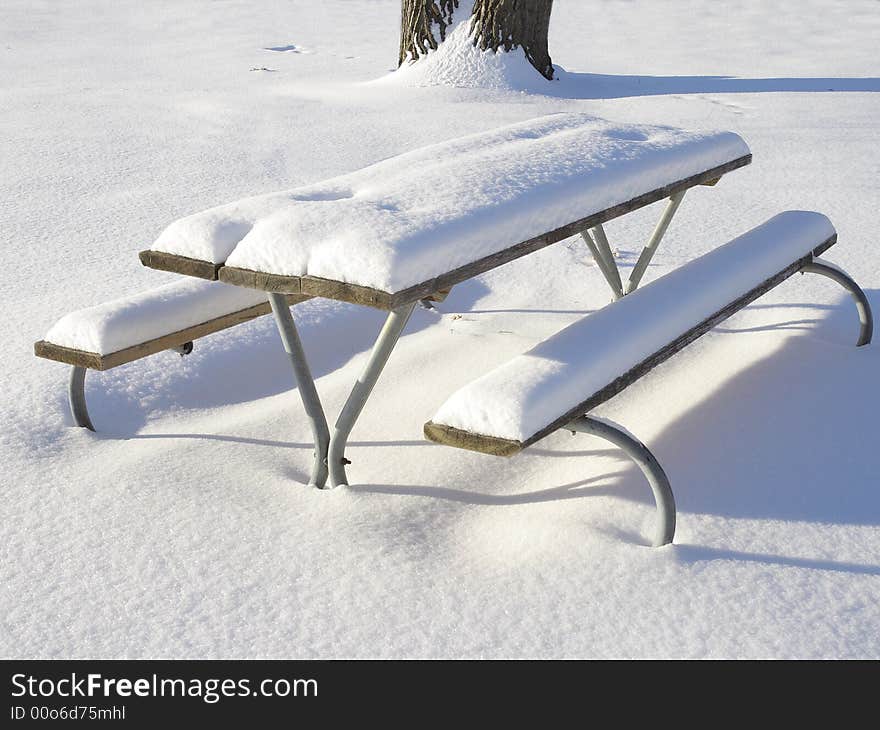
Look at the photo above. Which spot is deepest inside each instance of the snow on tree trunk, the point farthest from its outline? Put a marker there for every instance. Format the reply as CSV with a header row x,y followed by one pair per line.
x,y
495,25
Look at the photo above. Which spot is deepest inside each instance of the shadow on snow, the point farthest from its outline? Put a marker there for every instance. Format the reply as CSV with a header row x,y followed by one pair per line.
x,y
242,364
792,437
572,85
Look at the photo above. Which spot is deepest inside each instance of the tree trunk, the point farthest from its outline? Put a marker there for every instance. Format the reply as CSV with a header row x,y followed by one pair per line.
x,y
510,24
495,25
417,18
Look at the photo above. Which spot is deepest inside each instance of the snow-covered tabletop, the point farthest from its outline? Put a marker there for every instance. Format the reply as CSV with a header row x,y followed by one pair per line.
x,y
411,218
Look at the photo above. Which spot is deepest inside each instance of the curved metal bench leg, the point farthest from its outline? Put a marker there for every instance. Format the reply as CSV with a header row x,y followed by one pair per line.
x,y
645,460
76,396
306,386
817,266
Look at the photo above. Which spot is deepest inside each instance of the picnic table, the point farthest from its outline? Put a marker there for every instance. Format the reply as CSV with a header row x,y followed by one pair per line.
x,y
409,228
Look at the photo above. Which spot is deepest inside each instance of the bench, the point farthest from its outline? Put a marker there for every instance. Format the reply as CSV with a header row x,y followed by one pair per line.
x,y
167,317
558,382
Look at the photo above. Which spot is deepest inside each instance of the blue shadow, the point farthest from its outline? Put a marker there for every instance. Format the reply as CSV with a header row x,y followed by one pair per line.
x,y
571,85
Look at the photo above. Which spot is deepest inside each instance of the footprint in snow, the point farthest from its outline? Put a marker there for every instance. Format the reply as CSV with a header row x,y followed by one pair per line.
x,y
732,106
290,48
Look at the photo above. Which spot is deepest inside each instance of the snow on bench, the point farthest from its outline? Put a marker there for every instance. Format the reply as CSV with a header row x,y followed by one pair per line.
x,y
168,317
129,328
521,401
400,229
557,382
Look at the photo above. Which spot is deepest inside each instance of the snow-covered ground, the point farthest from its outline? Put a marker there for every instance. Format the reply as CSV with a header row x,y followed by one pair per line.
x,y
185,528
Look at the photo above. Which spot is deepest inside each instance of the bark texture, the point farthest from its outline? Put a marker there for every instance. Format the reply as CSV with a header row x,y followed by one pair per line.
x,y
510,24
417,21
495,25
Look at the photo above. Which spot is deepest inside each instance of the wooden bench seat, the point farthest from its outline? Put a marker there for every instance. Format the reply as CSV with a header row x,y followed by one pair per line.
x,y
169,317
556,383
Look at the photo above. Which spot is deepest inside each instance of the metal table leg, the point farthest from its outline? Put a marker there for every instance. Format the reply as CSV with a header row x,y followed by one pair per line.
x,y
330,452
306,386
599,246
385,343
605,263
651,246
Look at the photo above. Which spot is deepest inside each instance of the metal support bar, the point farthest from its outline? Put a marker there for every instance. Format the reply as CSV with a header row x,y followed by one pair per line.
x,y
609,271
651,246
645,460
605,248
306,386
385,343
76,396
866,318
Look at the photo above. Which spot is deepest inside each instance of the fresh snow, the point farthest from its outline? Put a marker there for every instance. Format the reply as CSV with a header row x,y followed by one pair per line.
x,y
532,390
185,527
127,321
458,62
411,218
